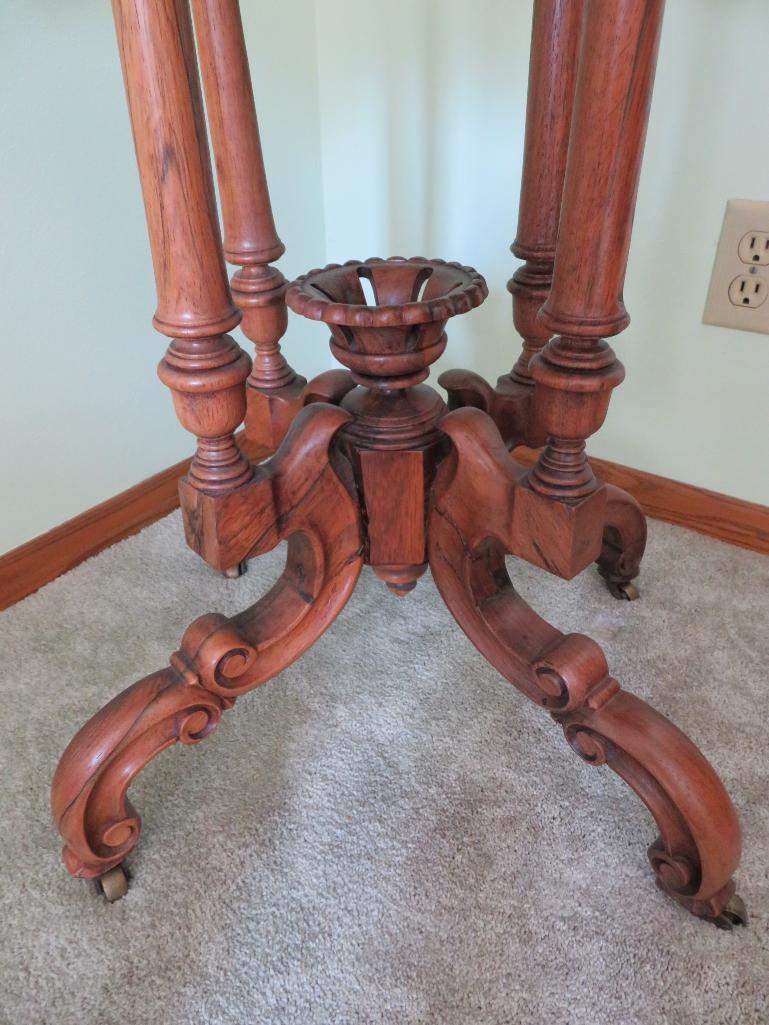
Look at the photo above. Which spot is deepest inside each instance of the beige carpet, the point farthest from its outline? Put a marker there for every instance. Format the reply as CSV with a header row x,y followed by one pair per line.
x,y
388,832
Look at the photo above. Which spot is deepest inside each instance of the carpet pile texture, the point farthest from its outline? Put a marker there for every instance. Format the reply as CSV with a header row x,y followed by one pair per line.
x,y
387,832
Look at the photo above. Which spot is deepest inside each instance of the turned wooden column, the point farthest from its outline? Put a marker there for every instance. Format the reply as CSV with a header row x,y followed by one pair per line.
x,y
552,70
577,370
204,368
274,391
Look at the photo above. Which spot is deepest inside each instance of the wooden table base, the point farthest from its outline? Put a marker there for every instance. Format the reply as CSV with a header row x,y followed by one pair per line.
x,y
374,468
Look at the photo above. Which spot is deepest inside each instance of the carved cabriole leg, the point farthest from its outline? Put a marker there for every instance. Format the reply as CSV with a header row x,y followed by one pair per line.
x,y
274,390
471,528
296,495
552,68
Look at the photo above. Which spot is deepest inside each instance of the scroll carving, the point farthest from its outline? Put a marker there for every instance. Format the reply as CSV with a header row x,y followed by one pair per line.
x,y
470,531
219,659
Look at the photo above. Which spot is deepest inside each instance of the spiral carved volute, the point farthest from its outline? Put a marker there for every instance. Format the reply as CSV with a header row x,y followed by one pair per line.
x,y
674,871
572,673
587,744
221,663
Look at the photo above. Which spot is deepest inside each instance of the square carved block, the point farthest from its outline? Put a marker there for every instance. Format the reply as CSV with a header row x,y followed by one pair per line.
x,y
223,529
563,538
269,416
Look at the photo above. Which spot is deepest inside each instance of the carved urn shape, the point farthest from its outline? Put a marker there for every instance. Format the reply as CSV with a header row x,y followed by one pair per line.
x,y
390,341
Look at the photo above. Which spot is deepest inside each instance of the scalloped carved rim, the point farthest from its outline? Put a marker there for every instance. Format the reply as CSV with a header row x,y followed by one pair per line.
x,y
316,306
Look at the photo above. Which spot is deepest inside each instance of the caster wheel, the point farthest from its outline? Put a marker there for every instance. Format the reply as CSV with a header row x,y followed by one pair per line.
x,y
624,591
113,884
235,571
735,913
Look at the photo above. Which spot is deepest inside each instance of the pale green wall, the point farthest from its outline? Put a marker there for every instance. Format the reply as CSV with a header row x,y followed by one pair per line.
x,y
82,414
422,134
423,156
378,140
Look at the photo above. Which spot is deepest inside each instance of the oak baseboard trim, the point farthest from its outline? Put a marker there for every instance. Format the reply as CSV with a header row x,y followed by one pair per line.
x,y
733,520
27,568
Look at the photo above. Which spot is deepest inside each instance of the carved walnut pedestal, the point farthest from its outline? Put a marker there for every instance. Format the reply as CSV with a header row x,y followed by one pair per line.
x,y
374,468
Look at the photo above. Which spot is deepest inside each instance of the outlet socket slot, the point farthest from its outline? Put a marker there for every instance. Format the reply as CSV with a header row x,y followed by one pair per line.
x,y
754,248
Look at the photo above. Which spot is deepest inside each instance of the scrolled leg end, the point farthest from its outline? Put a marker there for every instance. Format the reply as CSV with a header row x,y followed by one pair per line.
x,y
676,877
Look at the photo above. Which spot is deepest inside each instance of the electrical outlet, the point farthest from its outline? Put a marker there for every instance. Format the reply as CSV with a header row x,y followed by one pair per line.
x,y
739,285
748,290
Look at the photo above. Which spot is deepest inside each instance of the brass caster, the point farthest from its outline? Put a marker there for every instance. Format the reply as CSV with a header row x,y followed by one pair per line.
x,y
626,591
235,571
734,913
113,884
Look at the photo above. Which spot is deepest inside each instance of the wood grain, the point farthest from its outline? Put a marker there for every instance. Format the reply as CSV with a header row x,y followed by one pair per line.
x,y
733,520
203,367
274,392
219,659
470,530
157,53
32,565
555,36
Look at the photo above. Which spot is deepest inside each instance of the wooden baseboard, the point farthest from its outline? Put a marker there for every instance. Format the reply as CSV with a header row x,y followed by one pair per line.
x,y
732,520
27,568
31,565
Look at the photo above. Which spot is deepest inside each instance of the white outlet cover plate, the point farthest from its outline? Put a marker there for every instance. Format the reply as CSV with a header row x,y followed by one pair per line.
x,y
742,216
